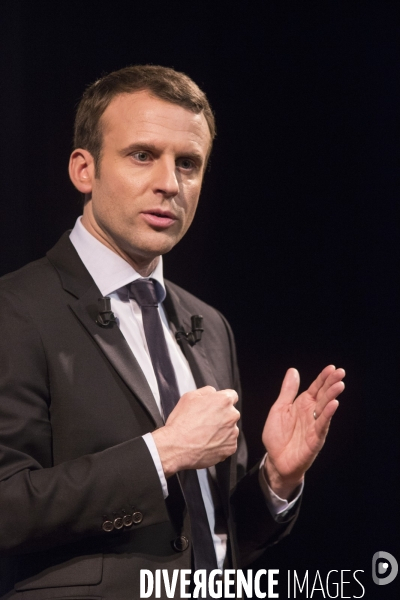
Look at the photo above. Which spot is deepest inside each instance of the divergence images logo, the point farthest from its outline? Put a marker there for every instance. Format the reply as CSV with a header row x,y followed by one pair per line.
x,y
386,566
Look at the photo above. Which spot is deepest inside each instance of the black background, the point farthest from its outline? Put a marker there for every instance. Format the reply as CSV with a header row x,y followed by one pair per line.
x,y
295,234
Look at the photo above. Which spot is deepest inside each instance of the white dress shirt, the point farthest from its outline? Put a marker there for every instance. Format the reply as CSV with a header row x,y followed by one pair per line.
x,y
112,275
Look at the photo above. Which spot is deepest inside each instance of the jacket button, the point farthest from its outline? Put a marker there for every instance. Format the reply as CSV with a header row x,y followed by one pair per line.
x,y
108,526
181,543
127,520
118,523
137,517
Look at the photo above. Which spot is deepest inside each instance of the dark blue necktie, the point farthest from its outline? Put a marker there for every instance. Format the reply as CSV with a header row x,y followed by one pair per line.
x,y
145,294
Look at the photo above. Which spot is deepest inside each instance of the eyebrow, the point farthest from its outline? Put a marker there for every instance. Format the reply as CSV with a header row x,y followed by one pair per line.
x,y
153,149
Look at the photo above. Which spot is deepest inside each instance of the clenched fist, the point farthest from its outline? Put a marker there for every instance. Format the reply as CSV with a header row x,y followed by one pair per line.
x,y
200,432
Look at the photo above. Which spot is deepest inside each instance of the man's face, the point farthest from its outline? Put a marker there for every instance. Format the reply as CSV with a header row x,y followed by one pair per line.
x,y
150,174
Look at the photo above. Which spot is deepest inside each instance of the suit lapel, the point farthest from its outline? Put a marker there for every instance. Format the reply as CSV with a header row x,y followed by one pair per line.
x,y
179,317
77,281
116,349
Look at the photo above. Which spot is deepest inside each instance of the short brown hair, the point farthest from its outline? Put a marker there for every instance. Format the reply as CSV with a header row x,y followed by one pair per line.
x,y
162,82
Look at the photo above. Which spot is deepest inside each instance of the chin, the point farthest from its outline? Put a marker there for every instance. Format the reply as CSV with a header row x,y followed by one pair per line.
x,y
150,250
159,242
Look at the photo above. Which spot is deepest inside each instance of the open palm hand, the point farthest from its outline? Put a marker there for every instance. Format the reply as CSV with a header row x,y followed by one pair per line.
x,y
296,428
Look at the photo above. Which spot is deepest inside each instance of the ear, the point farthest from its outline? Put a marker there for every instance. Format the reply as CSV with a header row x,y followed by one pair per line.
x,y
81,170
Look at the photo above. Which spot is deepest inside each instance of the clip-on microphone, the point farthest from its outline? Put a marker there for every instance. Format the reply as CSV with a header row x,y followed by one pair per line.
x,y
195,334
106,317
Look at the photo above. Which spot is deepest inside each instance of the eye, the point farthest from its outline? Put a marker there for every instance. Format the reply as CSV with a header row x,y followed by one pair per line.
x,y
185,163
141,156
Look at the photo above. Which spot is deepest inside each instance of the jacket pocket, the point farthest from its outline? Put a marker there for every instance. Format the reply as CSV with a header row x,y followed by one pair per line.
x,y
82,570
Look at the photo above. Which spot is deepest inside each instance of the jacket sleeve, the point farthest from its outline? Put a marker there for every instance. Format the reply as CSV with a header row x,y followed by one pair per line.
x,y
42,505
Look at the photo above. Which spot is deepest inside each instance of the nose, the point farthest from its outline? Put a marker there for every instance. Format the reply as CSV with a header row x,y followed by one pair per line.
x,y
165,178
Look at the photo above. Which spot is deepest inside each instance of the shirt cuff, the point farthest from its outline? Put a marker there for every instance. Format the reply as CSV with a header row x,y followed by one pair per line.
x,y
150,443
278,507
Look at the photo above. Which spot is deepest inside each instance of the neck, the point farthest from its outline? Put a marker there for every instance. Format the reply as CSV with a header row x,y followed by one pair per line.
x,y
144,267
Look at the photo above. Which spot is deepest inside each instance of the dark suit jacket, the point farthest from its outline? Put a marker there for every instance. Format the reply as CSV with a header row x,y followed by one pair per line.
x,y
73,407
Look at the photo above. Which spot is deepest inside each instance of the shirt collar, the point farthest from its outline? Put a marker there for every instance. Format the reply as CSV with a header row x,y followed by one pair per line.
x,y
109,271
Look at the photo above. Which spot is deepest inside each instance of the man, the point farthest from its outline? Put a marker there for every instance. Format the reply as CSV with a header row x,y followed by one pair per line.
x,y
109,407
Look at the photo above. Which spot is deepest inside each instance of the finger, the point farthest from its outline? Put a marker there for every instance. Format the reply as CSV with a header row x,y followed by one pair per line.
x,y
333,391
231,394
320,380
332,387
236,415
331,394
334,377
323,421
289,389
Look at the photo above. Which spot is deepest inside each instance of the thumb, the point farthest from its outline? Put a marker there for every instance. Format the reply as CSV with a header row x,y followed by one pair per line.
x,y
204,391
290,387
